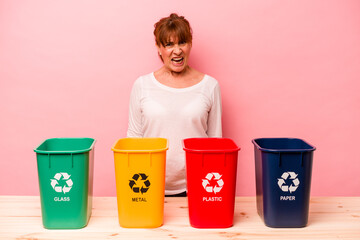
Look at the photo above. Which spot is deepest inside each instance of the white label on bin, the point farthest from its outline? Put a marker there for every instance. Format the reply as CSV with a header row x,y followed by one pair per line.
x,y
288,182
287,198
213,183
212,199
62,199
61,182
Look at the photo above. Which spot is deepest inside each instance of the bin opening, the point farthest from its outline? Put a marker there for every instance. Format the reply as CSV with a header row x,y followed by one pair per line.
x,y
282,144
140,145
210,145
65,145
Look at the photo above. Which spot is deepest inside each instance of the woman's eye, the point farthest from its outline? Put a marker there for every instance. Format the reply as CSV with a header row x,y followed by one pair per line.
x,y
168,44
182,43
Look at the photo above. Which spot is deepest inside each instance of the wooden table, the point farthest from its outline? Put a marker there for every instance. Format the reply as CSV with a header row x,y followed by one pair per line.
x,y
329,218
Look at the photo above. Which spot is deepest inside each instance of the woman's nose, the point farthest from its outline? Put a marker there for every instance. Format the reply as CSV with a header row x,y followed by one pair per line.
x,y
177,49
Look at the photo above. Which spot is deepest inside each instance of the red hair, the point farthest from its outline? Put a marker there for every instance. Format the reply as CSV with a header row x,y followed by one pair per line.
x,y
174,25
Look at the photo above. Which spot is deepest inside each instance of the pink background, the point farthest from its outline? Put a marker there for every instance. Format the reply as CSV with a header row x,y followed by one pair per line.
x,y
286,69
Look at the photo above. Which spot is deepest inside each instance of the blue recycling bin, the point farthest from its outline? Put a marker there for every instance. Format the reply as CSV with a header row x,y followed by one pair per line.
x,y
283,169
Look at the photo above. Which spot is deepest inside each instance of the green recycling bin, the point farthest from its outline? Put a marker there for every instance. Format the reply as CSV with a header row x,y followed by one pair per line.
x,y
65,171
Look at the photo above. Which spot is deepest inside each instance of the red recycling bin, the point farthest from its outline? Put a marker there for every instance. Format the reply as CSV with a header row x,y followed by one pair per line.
x,y
211,165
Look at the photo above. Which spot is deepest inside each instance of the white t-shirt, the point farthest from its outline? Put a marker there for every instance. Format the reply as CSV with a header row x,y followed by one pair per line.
x,y
157,110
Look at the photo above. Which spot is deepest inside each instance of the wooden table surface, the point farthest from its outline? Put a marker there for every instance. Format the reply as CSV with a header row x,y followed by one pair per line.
x,y
329,218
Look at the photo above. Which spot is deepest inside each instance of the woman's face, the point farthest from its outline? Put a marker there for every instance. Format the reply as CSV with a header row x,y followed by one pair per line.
x,y
175,54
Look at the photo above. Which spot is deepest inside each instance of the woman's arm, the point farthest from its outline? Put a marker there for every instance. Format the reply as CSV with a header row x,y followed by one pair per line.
x,y
215,114
135,116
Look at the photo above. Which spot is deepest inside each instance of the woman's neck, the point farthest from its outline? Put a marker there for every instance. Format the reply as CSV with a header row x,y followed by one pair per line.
x,y
183,79
175,75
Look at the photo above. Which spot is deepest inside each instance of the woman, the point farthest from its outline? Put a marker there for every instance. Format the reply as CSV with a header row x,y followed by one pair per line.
x,y
176,101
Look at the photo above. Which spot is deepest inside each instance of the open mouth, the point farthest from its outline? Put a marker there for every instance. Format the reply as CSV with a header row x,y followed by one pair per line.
x,y
177,60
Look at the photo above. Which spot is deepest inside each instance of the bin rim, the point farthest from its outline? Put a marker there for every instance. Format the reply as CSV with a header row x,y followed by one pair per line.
x,y
66,151
312,148
211,150
140,150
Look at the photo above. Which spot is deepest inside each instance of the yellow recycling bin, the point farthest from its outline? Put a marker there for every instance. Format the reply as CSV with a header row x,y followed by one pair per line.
x,y
140,181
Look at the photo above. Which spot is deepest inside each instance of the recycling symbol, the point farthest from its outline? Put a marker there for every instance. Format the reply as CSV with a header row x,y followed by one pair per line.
x,y
139,183
213,182
64,179
294,182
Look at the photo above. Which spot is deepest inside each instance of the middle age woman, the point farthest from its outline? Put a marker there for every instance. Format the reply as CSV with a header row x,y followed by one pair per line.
x,y
175,101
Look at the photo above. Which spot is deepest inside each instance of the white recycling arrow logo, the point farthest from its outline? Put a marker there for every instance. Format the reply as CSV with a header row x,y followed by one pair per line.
x,y
294,183
219,182
63,177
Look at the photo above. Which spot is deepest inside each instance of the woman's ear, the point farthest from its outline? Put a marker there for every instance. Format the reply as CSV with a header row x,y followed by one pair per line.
x,y
159,52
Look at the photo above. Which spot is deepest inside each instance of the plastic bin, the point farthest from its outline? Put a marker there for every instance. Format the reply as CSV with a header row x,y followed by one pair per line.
x,y
283,178
65,171
140,181
211,165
